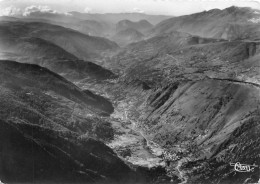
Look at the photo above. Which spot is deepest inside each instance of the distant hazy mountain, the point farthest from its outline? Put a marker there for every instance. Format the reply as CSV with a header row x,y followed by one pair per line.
x,y
94,28
19,46
116,17
102,25
78,44
230,23
142,26
127,36
88,27
7,18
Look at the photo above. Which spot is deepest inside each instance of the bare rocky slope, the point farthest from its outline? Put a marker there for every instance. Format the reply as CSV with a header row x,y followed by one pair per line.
x,y
202,123
208,124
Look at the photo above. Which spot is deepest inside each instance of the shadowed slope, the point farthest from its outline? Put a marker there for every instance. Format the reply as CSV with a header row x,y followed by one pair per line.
x,y
48,130
19,75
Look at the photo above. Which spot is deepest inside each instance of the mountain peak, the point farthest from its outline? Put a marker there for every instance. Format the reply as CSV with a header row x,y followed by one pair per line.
x,y
233,9
230,23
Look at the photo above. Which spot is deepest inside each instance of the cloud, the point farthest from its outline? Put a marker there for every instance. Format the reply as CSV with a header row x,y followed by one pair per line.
x,y
87,10
137,10
42,9
67,14
14,11
10,11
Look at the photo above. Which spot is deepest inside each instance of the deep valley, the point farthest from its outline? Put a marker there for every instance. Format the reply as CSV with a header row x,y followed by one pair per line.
x,y
130,98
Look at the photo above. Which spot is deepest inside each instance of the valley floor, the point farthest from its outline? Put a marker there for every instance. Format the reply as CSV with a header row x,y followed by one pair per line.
x,y
134,147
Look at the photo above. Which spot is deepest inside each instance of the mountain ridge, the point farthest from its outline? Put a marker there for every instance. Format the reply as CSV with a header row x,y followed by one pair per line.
x,y
230,23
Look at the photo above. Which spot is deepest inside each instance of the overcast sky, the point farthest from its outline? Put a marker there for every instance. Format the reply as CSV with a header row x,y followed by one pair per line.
x,y
166,7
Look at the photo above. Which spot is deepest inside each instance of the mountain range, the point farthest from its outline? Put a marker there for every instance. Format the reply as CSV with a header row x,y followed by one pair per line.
x,y
130,98
31,46
230,23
